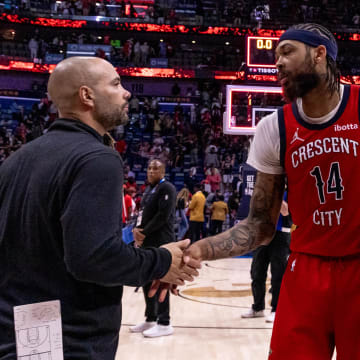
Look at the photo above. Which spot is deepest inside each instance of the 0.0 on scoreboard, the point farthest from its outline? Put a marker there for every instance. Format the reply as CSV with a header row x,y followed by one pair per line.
x,y
260,51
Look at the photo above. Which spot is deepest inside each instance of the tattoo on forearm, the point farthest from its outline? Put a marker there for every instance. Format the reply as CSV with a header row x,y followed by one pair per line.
x,y
259,226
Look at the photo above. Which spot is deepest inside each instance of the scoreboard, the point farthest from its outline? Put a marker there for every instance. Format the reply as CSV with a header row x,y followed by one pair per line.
x,y
260,55
260,51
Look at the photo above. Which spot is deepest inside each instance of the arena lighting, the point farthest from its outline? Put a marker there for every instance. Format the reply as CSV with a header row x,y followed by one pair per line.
x,y
160,72
350,79
229,75
217,30
268,32
225,77
354,37
43,21
28,66
154,72
153,28
266,78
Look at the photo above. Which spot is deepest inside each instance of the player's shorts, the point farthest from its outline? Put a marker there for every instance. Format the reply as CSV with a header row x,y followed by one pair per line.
x,y
318,309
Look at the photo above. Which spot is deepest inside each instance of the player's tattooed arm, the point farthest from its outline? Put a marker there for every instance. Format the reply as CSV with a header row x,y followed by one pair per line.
x,y
257,229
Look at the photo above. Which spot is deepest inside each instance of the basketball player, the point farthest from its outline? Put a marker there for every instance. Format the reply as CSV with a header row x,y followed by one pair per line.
x,y
60,219
314,141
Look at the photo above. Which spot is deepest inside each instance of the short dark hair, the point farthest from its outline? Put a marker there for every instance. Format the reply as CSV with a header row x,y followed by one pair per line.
x,y
221,197
198,186
333,72
162,165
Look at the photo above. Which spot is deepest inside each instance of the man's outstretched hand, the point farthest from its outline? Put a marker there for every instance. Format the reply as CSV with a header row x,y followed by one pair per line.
x,y
179,270
162,288
183,268
193,253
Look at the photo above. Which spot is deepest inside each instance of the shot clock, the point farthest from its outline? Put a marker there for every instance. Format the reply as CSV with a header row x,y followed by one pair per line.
x,y
260,51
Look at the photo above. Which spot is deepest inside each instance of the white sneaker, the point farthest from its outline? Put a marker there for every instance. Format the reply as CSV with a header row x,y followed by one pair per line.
x,y
271,317
159,330
253,314
143,326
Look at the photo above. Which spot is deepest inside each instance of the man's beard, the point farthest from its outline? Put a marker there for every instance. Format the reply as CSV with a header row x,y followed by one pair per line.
x,y
110,118
302,83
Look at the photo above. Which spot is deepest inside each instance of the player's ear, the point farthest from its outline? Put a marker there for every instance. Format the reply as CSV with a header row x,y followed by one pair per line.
x,y
320,54
86,96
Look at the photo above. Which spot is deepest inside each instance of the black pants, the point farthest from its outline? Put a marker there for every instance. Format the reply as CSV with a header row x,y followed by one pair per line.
x,y
216,227
155,310
195,229
275,254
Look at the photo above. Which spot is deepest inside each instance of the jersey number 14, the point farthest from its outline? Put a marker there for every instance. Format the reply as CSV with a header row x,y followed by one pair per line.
x,y
333,183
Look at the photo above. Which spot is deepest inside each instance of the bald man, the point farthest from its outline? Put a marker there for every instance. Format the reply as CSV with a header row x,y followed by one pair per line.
x,y
155,227
60,219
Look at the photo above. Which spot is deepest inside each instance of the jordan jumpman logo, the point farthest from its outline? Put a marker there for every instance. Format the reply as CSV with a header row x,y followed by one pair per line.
x,y
296,137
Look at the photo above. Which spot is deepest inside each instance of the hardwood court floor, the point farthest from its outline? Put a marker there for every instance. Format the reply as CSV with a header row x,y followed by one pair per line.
x,y
206,318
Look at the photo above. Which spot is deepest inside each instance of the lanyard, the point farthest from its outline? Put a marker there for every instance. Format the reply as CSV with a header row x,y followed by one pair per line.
x,y
154,189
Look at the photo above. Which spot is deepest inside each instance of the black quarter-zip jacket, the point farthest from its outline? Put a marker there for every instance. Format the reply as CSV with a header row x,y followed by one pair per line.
x,y
60,238
158,217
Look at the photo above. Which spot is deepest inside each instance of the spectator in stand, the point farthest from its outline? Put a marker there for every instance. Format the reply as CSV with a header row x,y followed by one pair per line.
x,y
137,53
149,13
211,158
162,49
192,177
100,53
219,210
127,206
2,153
168,124
122,12
134,104
127,50
356,19
196,208
212,197
128,173
175,90
214,179
101,10
182,203
120,146
159,14
171,17
132,14
233,205
131,183
154,105
157,125
34,48
144,152
226,170
199,10
79,7
164,156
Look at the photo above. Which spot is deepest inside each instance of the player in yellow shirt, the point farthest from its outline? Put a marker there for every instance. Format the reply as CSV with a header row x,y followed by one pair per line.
x,y
219,210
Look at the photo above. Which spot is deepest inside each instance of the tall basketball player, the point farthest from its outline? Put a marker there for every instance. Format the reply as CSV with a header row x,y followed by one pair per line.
x,y
314,141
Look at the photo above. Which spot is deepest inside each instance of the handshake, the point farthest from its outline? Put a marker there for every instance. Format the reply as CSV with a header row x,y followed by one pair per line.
x,y
185,261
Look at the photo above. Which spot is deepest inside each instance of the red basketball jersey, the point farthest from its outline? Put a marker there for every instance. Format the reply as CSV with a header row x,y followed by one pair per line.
x,y
322,163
